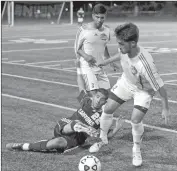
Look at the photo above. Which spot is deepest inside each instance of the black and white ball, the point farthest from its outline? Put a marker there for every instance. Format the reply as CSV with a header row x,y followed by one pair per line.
x,y
89,163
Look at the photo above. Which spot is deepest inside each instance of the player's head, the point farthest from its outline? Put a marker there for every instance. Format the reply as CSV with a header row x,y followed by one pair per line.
x,y
100,98
99,15
127,36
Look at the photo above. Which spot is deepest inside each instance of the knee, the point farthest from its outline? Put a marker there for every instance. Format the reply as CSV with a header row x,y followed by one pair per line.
x,y
57,143
60,142
109,109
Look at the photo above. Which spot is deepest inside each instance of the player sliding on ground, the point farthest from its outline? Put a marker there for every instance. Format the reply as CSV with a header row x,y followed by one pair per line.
x,y
73,131
140,80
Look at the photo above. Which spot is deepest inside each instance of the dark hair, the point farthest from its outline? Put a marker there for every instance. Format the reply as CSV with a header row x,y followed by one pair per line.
x,y
104,92
99,9
127,32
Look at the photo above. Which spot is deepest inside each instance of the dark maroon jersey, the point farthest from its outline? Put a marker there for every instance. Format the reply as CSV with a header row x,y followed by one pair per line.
x,y
86,114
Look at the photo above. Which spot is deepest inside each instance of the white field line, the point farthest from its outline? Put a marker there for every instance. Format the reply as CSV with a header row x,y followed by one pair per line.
x,y
70,68
70,32
33,63
40,80
165,74
59,83
73,71
69,47
4,59
40,67
52,65
73,110
173,73
17,61
67,70
6,43
173,84
170,81
28,50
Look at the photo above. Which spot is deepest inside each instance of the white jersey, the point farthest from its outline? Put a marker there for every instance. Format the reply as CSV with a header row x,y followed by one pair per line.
x,y
139,69
93,42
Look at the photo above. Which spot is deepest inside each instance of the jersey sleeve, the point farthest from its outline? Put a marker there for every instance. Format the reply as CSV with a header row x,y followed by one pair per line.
x,y
79,39
150,73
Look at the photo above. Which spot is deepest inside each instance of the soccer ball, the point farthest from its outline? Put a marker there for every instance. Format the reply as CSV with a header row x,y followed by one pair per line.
x,y
89,163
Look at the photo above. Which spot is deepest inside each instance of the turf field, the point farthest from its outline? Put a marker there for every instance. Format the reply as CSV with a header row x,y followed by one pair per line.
x,y
39,87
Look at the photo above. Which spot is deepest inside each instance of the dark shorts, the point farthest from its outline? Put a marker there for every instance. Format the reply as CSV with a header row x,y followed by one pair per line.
x,y
74,139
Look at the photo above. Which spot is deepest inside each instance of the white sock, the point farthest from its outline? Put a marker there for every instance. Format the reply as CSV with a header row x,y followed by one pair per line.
x,y
105,124
25,146
137,132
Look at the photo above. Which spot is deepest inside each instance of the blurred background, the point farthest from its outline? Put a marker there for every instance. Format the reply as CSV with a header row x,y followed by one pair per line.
x,y
51,12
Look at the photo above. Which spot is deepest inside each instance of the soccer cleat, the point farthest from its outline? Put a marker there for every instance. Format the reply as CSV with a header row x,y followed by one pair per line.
x,y
14,146
137,158
96,147
80,127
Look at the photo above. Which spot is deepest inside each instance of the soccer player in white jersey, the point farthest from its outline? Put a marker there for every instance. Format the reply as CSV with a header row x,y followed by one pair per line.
x,y
91,48
140,80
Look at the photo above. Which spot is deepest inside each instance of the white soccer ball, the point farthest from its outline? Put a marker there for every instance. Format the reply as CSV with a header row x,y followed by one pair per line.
x,y
89,163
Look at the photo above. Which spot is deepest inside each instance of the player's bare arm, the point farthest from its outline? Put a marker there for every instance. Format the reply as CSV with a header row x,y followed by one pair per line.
x,y
90,59
165,107
114,58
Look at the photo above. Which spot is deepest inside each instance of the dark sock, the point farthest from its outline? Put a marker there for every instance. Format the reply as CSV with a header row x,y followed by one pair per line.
x,y
38,146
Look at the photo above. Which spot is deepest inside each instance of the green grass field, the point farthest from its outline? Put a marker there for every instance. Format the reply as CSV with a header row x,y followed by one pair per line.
x,y
39,87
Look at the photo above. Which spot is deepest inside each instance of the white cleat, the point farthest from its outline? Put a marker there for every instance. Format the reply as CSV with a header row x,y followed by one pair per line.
x,y
96,147
137,158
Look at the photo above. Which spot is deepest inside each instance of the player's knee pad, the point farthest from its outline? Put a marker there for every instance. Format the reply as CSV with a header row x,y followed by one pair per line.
x,y
137,129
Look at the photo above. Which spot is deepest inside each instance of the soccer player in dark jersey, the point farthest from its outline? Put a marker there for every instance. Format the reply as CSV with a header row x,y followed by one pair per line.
x,y
73,131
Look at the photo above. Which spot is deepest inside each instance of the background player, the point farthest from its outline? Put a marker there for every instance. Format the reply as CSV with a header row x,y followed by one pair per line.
x,y
140,80
73,131
80,16
91,48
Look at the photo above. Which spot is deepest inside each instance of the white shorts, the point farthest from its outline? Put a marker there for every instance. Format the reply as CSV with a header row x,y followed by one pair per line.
x,y
95,80
80,20
124,91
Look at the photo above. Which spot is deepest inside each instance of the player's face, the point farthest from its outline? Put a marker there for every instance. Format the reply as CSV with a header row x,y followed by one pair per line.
x,y
98,100
125,47
98,19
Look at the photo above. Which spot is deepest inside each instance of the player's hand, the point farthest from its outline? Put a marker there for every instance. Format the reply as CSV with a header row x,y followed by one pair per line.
x,y
166,115
91,60
101,64
114,66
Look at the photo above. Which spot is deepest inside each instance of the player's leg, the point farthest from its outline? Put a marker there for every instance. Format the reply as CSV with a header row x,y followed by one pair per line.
x,y
103,80
40,146
80,80
141,104
90,80
80,21
117,97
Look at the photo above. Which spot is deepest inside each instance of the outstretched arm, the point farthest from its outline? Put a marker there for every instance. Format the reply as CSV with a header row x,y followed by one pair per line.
x,y
107,61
